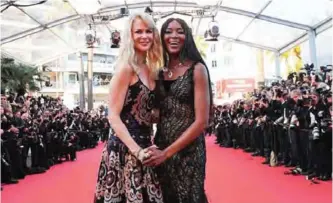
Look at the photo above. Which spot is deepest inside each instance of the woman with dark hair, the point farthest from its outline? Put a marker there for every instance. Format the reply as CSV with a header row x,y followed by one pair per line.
x,y
185,106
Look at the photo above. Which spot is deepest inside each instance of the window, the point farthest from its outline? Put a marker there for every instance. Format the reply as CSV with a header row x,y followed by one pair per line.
x,y
228,61
214,64
213,48
110,59
72,57
84,57
99,58
227,46
72,78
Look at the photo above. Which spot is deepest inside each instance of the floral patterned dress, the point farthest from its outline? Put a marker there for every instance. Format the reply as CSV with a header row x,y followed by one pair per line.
x,y
121,177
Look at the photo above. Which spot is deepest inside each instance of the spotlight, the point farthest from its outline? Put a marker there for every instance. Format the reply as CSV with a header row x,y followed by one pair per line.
x,y
115,39
148,10
213,31
124,11
90,36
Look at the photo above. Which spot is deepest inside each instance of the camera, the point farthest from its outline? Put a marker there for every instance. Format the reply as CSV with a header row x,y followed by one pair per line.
x,y
326,69
293,122
315,133
278,92
308,68
292,75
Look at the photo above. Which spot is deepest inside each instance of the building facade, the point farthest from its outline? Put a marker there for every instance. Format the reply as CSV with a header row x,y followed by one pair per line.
x,y
228,61
62,76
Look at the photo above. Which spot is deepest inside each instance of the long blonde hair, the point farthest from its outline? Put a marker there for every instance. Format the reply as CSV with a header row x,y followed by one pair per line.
x,y
127,53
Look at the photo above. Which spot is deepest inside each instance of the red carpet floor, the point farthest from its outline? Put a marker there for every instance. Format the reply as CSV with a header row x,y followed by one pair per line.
x,y
232,177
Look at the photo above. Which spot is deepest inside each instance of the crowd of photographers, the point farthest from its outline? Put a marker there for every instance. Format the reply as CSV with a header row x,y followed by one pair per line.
x,y
288,123
46,131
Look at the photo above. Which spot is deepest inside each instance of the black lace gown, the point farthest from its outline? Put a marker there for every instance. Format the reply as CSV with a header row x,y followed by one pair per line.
x,y
121,177
182,176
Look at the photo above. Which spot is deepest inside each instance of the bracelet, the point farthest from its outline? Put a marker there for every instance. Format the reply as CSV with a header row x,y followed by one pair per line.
x,y
136,153
142,155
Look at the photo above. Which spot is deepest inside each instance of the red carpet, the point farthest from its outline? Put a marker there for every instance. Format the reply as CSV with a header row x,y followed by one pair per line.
x,y
232,177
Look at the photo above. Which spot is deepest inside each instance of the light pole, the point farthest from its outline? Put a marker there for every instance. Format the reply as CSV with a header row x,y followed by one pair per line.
x,y
90,40
81,79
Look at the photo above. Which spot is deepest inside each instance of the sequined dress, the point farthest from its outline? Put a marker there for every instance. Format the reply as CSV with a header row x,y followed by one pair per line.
x,y
182,176
121,177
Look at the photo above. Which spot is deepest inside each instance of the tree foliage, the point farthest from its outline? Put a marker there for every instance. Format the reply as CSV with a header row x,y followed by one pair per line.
x,y
202,45
19,78
291,58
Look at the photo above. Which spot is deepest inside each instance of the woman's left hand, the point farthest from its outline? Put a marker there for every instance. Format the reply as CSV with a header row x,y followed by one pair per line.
x,y
156,157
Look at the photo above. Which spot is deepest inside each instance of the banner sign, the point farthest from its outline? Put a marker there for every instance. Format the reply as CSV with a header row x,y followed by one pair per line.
x,y
234,85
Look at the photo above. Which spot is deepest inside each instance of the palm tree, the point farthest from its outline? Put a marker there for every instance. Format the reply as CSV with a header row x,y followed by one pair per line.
x,y
291,58
260,77
202,45
19,78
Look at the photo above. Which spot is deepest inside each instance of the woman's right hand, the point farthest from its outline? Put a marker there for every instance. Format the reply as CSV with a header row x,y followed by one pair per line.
x,y
155,156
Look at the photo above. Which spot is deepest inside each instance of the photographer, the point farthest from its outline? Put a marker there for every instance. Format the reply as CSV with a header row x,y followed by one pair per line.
x,y
245,126
70,145
281,109
289,124
219,125
299,131
44,130
6,168
105,125
321,135
265,128
12,147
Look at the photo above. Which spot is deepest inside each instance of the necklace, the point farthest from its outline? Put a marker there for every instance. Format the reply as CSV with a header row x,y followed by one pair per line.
x,y
169,71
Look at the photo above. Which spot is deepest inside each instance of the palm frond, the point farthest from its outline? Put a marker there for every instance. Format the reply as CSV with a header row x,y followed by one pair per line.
x,y
202,45
19,78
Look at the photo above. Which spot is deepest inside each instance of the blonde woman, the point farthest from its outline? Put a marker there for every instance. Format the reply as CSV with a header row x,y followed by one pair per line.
x,y
122,178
